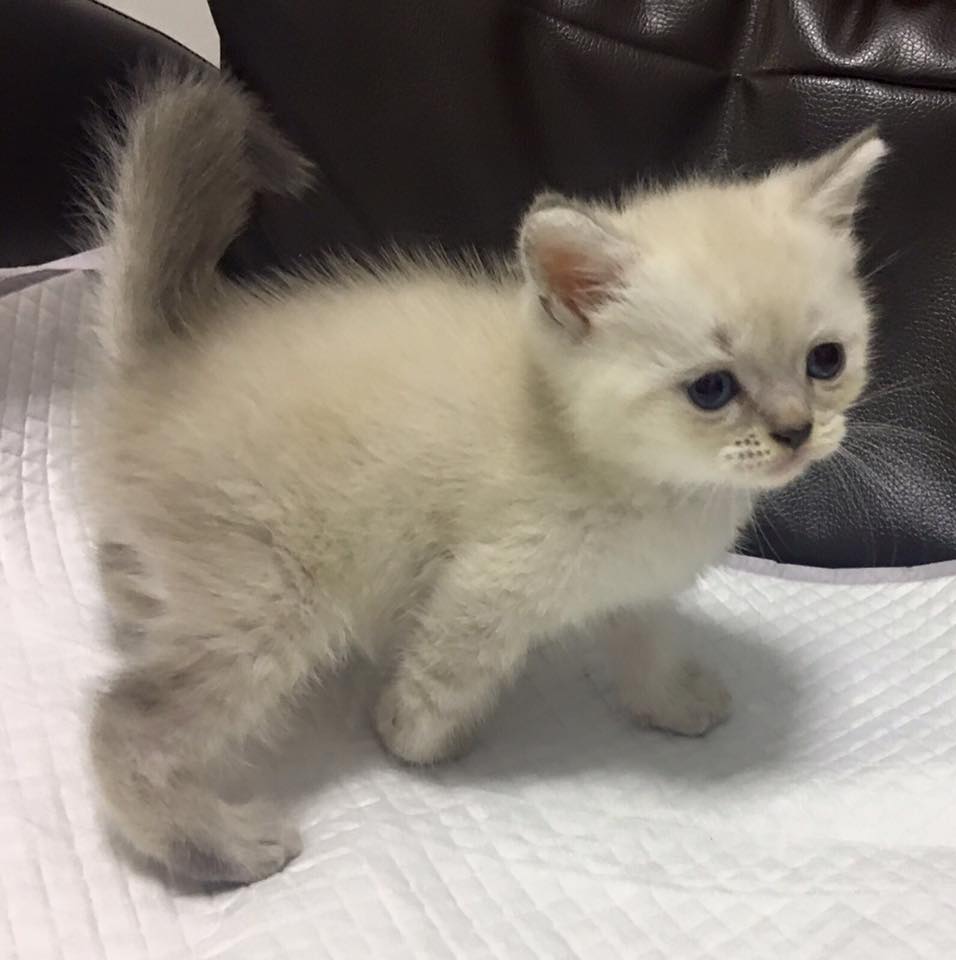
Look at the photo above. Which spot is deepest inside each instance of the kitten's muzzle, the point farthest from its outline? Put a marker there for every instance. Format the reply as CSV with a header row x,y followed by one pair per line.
x,y
793,437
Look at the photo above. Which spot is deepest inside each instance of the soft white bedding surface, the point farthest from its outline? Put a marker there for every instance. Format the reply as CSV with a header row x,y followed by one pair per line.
x,y
819,823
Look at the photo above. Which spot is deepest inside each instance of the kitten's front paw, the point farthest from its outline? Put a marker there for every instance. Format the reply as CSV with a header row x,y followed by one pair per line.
x,y
411,730
690,700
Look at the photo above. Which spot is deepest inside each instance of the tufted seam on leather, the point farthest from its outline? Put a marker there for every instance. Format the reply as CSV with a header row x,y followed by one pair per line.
x,y
758,75
612,37
730,108
738,68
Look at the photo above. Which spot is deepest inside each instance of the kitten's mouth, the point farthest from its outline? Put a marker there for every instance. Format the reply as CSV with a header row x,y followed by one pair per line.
x,y
790,468
792,464
761,467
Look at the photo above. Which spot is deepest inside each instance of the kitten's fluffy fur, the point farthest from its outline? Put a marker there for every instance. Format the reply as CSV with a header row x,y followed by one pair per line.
x,y
430,466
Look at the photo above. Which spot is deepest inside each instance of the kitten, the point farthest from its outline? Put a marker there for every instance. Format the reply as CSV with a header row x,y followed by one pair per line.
x,y
429,466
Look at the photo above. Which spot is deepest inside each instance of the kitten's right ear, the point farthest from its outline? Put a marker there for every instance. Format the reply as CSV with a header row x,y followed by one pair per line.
x,y
831,184
575,263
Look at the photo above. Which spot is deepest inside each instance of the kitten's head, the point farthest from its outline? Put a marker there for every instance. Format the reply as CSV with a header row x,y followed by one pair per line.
x,y
714,333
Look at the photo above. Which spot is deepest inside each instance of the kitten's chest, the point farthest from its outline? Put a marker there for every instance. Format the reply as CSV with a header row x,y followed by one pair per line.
x,y
651,555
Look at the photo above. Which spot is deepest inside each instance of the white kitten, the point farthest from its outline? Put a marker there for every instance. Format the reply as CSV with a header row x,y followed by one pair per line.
x,y
430,466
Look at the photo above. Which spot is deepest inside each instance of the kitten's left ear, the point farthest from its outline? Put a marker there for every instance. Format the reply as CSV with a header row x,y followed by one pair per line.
x,y
575,263
832,183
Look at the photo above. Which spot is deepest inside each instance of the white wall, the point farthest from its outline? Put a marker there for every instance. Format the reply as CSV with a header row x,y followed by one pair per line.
x,y
187,21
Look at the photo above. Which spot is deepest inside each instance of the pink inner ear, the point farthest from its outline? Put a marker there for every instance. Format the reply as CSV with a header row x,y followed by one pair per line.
x,y
579,281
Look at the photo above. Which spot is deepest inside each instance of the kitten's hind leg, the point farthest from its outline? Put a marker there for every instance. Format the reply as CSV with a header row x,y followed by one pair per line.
x,y
129,589
160,729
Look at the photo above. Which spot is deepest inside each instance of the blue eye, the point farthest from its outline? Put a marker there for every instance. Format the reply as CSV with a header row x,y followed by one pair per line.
x,y
713,390
825,361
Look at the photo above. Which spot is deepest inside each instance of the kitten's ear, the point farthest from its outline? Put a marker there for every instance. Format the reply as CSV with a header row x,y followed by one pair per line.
x,y
832,183
575,263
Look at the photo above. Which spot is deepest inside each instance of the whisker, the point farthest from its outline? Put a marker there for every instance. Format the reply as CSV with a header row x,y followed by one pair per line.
x,y
763,541
871,395
842,473
898,433
887,261
760,513
880,482
868,474
867,471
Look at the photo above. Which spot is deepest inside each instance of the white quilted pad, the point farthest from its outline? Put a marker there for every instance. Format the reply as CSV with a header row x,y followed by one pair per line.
x,y
819,823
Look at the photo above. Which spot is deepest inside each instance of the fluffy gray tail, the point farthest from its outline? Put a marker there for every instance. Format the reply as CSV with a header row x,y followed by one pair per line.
x,y
190,155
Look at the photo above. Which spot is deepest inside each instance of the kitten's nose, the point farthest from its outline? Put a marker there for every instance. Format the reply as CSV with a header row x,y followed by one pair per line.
x,y
793,437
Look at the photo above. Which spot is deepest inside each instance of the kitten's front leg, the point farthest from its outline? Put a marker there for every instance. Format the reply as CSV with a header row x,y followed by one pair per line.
x,y
449,673
660,685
